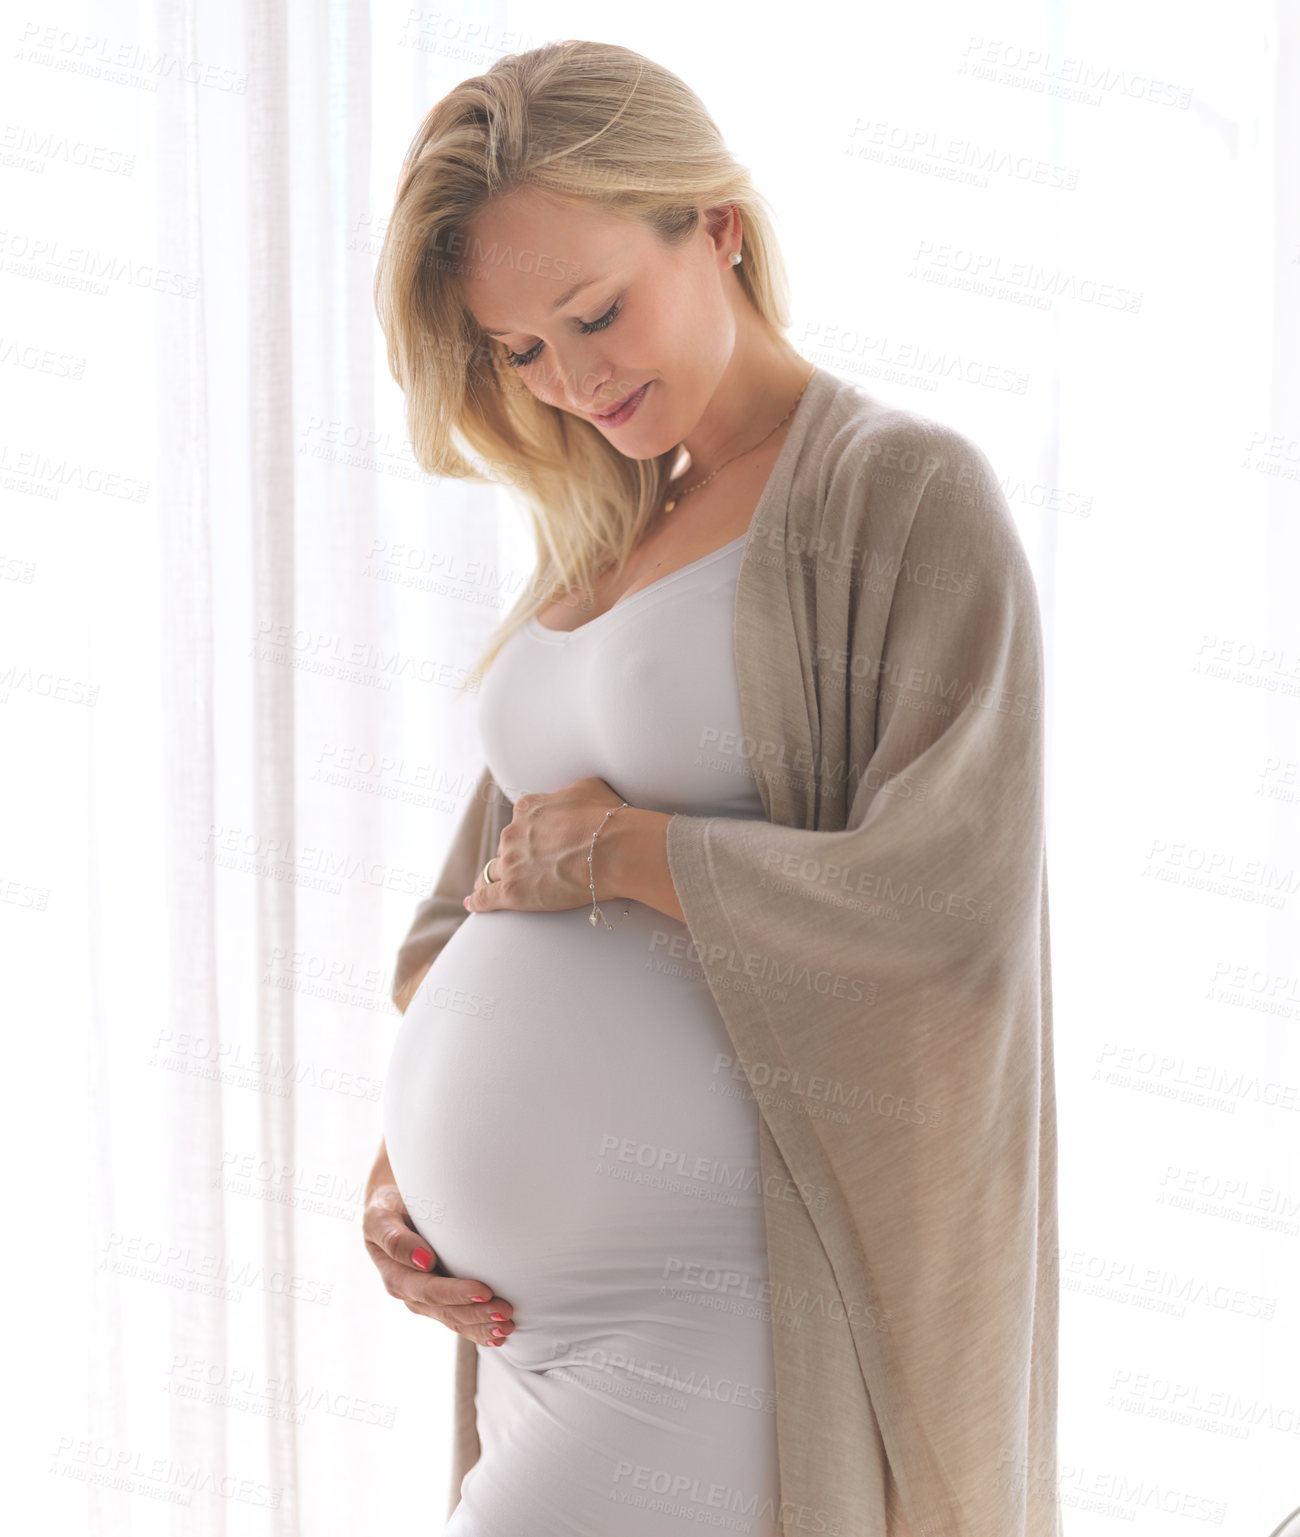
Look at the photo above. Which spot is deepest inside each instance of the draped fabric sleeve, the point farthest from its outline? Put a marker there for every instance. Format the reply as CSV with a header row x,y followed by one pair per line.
x,y
894,966
441,913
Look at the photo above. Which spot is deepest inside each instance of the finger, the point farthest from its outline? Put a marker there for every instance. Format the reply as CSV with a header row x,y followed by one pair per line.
x,y
387,1224
388,1227
448,1300
406,1263
485,1323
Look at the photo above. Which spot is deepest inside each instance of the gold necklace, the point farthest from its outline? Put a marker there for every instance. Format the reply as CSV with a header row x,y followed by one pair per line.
x,y
673,500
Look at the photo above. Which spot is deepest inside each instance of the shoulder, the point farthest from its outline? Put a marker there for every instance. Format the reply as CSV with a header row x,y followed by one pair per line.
x,y
872,467
910,492
858,436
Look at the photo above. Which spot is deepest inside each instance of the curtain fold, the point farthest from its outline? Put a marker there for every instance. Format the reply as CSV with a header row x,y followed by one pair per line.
x,y
273,511
192,1323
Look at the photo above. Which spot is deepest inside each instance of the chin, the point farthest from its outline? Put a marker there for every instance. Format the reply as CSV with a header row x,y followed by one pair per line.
x,y
642,445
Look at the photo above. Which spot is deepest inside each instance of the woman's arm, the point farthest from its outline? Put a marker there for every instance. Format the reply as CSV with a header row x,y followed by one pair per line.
x,y
543,854
380,1174
441,913
631,860
408,1267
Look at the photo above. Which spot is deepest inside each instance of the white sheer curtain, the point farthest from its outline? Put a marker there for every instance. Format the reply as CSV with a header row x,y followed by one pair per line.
x,y
234,614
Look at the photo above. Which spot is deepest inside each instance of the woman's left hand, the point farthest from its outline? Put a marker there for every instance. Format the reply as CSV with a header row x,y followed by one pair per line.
x,y
541,858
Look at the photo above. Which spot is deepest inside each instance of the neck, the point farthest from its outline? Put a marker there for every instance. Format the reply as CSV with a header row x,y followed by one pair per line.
x,y
759,385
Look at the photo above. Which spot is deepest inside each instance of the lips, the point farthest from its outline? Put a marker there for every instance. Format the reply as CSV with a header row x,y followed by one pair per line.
x,y
602,416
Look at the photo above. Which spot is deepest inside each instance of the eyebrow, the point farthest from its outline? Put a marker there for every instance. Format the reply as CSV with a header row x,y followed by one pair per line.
x,y
559,303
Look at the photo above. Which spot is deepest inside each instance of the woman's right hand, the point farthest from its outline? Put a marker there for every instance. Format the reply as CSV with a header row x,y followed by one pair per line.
x,y
405,1262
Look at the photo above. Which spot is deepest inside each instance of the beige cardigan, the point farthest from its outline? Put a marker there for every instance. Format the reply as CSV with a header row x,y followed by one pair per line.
x,y
878,949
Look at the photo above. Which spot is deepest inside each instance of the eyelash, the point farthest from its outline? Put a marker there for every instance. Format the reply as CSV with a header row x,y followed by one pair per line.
x,y
522,359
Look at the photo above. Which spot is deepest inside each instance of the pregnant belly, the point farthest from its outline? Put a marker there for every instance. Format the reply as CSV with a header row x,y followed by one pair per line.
x,y
567,1123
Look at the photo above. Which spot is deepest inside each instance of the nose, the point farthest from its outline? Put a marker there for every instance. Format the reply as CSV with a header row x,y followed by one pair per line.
x,y
581,388
589,401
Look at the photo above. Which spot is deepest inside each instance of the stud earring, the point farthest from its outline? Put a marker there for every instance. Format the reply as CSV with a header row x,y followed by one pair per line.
x,y
734,258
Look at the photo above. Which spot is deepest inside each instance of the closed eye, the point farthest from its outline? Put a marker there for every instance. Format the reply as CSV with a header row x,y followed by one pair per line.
x,y
522,359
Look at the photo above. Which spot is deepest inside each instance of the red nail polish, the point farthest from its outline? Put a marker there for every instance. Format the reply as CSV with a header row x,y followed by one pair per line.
x,y
422,1258
500,1317
478,1299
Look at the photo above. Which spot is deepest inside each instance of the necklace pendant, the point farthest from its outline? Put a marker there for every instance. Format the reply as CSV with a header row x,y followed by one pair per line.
x,y
670,504
592,920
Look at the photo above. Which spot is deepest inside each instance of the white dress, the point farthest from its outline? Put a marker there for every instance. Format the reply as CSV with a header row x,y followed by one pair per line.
x,y
567,1122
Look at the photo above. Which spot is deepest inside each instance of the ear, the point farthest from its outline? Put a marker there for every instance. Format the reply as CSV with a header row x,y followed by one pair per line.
x,y
725,227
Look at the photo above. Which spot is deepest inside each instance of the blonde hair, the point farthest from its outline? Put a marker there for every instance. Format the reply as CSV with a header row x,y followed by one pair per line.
x,y
578,120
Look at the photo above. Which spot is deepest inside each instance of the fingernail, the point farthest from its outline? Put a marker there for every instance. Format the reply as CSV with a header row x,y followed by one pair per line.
x,y
500,1317
478,1299
422,1258
501,1332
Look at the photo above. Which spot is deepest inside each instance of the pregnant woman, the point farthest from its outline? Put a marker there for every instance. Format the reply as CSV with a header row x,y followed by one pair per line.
x,y
719,1123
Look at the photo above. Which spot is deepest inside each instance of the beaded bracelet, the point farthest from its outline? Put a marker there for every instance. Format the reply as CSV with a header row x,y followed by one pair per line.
x,y
596,914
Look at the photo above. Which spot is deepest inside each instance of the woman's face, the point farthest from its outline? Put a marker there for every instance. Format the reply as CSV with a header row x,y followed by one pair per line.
x,y
648,320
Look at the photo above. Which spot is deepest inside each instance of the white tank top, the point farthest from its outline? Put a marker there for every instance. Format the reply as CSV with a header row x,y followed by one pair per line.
x,y
644,696
568,1123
